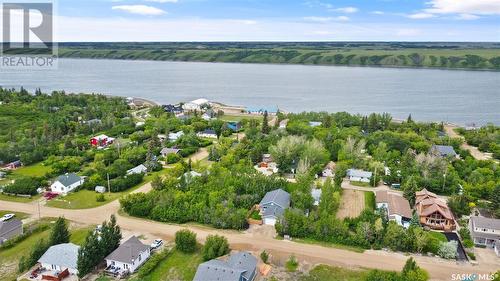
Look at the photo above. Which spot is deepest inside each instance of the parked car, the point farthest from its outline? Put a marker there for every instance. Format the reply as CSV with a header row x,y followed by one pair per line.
x,y
156,244
7,217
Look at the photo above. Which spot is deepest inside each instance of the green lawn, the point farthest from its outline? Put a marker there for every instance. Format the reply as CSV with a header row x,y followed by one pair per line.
x,y
17,198
19,215
35,170
370,200
329,273
177,266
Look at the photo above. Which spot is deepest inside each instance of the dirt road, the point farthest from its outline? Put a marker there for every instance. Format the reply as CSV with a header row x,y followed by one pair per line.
x,y
474,151
439,269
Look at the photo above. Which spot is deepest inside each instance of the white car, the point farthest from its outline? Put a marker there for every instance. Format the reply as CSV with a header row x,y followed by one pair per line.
x,y
156,244
7,217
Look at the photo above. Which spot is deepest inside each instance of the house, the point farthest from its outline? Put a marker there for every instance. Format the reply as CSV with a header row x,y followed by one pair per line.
x,y
10,229
316,195
60,258
206,116
92,122
100,189
13,165
101,141
166,151
283,124
171,108
359,175
233,126
433,212
66,183
329,170
2,174
189,176
397,207
273,205
273,110
208,133
315,124
140,123
443,151
141,169
175,136
241,266
195,105
485,232
128,257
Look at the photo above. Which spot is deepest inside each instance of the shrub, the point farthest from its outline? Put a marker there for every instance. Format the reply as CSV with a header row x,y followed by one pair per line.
x,y
472,256
152,263
468,243
173,158
100,197
214,247
448,250
25,185
185,241
264,256
292,263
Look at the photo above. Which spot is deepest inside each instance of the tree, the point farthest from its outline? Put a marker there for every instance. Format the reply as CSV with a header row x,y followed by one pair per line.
x,y
412,272
185,241
110,236
60,233
448,250
265,124
395,237
89,254
215,246
410,186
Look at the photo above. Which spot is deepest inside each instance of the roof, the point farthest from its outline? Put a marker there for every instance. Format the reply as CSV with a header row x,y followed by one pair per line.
x,y
168,150
199,101
315,123
68,179
331,165
238,265
128,251
397,204
359,173
137,170
64,255
277,197
271,109
316,194
444,150
6,228
482,222
208,132
428,203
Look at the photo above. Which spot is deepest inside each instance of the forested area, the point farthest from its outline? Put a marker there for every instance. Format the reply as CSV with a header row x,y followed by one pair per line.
x,y
486,138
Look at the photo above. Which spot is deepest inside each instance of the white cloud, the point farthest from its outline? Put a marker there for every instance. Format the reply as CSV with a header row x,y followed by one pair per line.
x,y
346,10
377,12
326,19
247,22
162,1
419,16
467,17
469,7
140,10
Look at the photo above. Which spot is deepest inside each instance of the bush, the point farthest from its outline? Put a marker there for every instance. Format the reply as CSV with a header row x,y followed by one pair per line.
x,y
25,185
100,197
292,264
185,241
152,263
215,246
173,158
472,256
264,256
448,250
468,243
126,182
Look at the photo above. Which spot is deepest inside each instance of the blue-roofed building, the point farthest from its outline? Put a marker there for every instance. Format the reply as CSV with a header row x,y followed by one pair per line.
x,y
443,151
271,110
233,126
273,205
241,266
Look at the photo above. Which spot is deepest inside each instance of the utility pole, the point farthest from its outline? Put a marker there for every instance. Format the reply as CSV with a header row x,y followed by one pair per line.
x,y
109,188
39,214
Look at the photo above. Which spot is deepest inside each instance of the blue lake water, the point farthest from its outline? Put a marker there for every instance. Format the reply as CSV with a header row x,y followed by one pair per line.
x,y
428,94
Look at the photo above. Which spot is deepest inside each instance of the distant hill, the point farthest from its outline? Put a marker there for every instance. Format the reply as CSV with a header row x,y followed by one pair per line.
x,y
463,55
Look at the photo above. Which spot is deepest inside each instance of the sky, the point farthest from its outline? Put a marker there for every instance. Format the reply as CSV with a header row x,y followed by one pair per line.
x,y
278,20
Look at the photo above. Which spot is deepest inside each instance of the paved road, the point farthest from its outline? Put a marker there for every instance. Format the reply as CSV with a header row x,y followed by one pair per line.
x,y
438,269
474,151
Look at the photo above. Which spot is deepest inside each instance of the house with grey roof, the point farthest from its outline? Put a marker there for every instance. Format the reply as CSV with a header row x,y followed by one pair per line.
x,y
446,151
66,183
359,175
169,150
241,266
128,257
273,205
141,169
485,232
10,229
397,208
61,257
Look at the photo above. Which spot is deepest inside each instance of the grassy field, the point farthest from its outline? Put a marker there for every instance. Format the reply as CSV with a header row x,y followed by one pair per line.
x,y
393,54
35,170
370,200
177,266
18,199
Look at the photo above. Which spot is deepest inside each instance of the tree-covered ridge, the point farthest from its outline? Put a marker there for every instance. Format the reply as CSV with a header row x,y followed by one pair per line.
x,y
390,54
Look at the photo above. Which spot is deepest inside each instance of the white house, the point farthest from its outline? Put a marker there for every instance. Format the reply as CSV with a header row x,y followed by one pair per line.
x,y
128,257
141,169
359,175
60,257
66,183
485,232
329,170
195,105
396,206
100,189
175,136
208,133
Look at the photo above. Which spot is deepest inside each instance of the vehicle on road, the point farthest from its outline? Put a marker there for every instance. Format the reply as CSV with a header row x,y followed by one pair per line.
x,y
7,217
